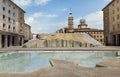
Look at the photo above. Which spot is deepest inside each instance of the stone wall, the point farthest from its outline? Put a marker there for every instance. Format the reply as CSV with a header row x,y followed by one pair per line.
x,y
63,40
58,43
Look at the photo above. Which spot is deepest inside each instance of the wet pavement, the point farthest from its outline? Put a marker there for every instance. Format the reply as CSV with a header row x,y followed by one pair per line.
x,y
103,48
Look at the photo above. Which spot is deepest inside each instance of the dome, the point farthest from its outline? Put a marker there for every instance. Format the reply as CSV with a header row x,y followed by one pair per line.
x,y
82,24
82,21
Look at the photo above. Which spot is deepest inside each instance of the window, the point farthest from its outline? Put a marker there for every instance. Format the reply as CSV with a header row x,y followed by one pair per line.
x,y
117,8
21,13
14,14
20,30
3,25
113,27
21,24
113,19
94,36
3,8
13,21
113,5
9,11
21,18
118,25
9,27
3,17
13,29
9,5
4,1
113,11
14,8
9,19
118,17
117,1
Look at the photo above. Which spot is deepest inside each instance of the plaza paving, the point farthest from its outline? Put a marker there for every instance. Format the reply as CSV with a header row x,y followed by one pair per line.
x,y
69,69
109,66
103,48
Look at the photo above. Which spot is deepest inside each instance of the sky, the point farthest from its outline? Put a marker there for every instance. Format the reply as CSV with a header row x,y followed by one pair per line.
x,y
47,16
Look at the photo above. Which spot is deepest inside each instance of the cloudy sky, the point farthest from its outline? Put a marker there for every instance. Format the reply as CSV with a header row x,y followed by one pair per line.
x,y
47,16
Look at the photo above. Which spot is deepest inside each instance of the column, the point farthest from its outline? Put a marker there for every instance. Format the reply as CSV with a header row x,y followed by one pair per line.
x,y
11,41
0,41
117,43
64,43
16,41
113,40
109,40
61,43
118,53
6,41
22,40
118,40
106,40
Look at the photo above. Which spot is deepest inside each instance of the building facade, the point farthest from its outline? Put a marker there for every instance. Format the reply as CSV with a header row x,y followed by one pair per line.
x,y
112,23
97,34
11,24
27,32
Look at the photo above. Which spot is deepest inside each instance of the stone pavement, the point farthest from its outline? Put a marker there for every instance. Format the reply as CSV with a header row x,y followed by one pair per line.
x,y
60,69
110,63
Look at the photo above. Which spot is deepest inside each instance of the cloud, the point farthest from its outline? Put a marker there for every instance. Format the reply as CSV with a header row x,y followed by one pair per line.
x,y
41,14
51,15
94,20
64,9
37,15
37,26
41,2
108,0
40,23
23,2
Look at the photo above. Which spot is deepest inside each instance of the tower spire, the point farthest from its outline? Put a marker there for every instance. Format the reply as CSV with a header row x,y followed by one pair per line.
x,y
70,21
70,13
70,10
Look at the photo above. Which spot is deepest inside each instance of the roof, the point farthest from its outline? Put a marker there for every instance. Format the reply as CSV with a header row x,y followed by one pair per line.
x,y
17,6
88,29
108,4
27,25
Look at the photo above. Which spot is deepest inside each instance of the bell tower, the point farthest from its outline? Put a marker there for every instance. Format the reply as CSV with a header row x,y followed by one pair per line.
x,y
70,22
